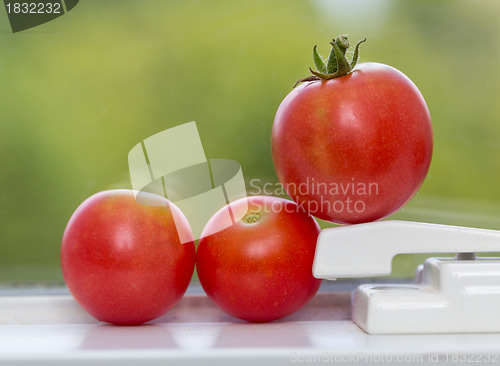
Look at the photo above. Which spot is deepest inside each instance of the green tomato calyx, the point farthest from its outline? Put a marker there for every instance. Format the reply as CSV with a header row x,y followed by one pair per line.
x,y
336,65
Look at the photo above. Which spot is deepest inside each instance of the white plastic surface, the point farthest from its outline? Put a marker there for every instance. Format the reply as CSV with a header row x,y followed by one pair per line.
x,y
454,296
196,332
367,250
451,295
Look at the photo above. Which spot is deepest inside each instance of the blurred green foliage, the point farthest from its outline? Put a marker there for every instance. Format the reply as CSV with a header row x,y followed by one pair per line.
x,y
79,92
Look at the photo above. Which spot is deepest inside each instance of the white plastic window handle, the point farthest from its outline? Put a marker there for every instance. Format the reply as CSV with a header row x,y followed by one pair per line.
x,y
366,250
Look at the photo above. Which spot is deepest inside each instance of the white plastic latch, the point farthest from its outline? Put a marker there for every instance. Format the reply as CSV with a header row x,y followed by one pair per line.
x,y
452,295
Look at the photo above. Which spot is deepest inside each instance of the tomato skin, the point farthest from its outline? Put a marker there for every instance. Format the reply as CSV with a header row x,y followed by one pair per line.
x,y
260,271
123,261
371,126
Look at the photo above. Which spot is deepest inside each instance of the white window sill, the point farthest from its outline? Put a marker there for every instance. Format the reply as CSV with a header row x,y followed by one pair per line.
x,y
51,329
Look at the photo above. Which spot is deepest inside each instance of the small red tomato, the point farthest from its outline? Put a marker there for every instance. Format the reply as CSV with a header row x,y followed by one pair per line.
x,y
260,268
122,261
356,146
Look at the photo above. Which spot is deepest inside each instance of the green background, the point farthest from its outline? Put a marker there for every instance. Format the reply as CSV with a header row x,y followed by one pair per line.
x,y
77,93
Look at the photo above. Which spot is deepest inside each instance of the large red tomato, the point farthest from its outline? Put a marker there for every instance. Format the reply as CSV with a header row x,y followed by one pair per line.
x,y
123,261
353,148
260,268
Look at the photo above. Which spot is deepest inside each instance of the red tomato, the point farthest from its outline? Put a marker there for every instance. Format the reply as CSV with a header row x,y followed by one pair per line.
x,y
123,261
260,268
354,148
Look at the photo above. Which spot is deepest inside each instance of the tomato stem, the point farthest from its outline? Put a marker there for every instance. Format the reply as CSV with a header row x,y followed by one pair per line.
x,y
337,64
252,217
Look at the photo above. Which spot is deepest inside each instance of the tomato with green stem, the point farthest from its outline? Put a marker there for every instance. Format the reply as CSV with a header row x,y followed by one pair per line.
x,y
353,143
